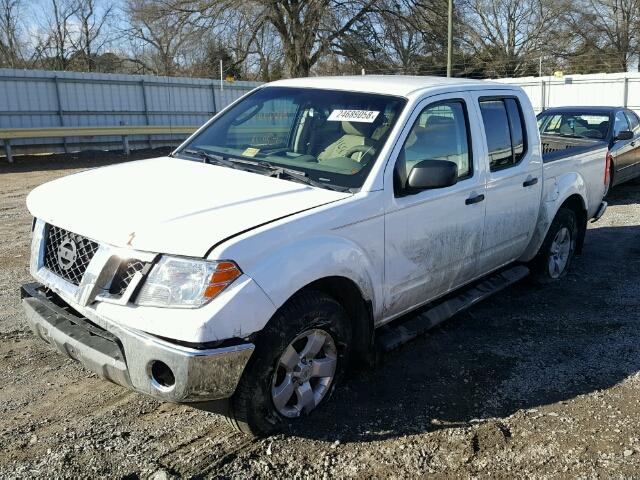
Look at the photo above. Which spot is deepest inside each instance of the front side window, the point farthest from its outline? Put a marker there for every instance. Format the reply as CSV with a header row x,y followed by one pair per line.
x,y
505,132
621,124
439,133
634,123
331,137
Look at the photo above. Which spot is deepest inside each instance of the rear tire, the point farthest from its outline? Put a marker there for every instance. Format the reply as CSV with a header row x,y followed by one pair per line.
x,y
557,249
300,357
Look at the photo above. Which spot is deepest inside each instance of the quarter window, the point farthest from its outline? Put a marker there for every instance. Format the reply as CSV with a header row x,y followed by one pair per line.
x,y
439,133
505,132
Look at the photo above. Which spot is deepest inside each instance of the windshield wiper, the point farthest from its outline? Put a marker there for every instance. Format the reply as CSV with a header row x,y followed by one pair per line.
x,y
279,172
213,158
270,169
294,175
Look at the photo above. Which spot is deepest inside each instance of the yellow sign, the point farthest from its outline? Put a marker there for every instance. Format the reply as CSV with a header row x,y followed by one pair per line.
x,y
251,152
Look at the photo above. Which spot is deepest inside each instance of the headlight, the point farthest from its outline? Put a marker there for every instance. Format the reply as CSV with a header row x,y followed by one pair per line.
x,y
186,283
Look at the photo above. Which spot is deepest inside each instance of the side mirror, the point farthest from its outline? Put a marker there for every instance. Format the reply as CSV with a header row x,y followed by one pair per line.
x,y
624,135
432,174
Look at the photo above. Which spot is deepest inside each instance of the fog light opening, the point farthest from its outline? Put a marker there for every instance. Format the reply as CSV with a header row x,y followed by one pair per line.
x,y
162,375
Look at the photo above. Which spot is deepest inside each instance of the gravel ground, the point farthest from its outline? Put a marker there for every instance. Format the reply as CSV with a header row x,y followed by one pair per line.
x,y
540,382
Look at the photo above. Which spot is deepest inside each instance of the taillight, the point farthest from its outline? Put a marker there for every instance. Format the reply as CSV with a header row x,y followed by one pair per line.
x,y
607,169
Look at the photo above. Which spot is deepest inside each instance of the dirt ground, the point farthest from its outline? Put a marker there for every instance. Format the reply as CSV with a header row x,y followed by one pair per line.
x,y
535,382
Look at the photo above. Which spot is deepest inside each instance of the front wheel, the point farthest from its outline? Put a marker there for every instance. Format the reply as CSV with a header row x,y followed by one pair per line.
x,y
557,250
299,358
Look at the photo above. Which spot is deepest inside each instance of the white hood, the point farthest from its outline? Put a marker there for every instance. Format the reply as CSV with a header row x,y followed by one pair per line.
x,y
169,205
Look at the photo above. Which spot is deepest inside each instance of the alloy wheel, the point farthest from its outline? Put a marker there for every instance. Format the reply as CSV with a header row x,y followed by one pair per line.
x,y
304,373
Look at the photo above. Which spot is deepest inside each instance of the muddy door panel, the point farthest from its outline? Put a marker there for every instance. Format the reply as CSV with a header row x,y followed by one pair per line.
x,y
433,236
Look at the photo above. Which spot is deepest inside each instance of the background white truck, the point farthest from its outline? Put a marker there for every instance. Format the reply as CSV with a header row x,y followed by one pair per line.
x,y
271,247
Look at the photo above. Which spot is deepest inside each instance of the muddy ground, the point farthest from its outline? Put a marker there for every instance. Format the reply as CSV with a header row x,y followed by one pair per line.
x,y
536,381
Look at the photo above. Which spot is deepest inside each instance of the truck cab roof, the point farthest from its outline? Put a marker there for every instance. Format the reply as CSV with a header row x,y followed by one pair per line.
x,y
402,85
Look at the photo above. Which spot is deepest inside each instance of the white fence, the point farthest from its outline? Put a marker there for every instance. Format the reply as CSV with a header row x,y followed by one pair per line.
x,y
600,89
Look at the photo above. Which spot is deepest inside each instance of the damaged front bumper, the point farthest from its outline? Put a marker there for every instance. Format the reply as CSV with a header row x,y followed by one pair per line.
x,y
134,359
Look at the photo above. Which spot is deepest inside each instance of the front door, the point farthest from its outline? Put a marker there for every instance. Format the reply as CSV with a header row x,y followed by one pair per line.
x,y
433,237
626,153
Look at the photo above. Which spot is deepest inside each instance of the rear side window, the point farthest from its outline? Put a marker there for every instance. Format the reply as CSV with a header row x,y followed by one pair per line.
x,y
517,128
505,131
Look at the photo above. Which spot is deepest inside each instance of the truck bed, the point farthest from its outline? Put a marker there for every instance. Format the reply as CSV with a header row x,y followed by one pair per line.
x,y
557,147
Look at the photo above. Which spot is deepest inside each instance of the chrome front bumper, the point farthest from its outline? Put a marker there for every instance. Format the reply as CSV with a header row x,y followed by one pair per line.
x,y
133,358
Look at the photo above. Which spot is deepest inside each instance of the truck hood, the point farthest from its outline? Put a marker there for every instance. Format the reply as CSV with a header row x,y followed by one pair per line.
x,y
168,205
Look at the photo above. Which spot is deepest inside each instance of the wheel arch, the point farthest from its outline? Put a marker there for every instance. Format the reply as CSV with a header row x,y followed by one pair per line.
x,y
359,310
575,203
573,200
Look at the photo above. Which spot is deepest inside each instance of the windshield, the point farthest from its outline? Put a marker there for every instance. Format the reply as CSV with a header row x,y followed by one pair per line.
x,y
579,125
330,137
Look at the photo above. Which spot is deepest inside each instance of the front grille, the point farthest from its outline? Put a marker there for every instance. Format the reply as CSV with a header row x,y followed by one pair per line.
x,y
124,275
67,254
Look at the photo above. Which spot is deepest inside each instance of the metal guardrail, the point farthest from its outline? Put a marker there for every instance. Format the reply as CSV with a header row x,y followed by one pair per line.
x,y
7,134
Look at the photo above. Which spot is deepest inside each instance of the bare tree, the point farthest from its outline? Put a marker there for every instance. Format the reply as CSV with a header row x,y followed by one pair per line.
x,y
55,47
160,36
605,34
505,35
268,51
307,29
11,53
90,37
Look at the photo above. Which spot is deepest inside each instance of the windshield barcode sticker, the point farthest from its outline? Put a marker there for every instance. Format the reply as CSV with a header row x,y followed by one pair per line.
x,y
365,116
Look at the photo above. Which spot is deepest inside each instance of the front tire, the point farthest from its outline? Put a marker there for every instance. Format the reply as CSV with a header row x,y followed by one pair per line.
x,y
557,249
300,357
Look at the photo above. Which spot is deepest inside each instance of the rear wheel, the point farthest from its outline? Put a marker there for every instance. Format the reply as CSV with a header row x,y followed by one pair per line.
x,y
557,250
299,359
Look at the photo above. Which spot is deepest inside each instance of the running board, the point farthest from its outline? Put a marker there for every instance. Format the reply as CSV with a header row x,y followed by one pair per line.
x,y
394,336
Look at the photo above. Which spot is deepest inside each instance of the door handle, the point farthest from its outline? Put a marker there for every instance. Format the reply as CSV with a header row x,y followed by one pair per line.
x,y
530,182
472,200
633,144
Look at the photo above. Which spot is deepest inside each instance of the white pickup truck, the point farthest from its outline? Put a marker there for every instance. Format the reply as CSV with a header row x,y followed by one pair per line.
x,y
294,232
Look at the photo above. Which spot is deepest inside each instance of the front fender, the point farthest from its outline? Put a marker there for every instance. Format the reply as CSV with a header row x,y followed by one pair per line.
x,y
292,267
556,191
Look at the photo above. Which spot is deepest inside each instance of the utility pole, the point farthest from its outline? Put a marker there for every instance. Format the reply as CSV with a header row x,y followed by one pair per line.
x,y
450,39
540,68
221,78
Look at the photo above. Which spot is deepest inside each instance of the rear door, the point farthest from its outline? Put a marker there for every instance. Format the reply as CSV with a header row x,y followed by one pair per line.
x,y
514,182
433,237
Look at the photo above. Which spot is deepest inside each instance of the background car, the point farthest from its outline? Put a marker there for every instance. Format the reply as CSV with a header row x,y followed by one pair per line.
x,y
562,128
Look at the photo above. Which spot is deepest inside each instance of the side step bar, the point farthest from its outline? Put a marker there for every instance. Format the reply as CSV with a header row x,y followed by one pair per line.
x,y
393,336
